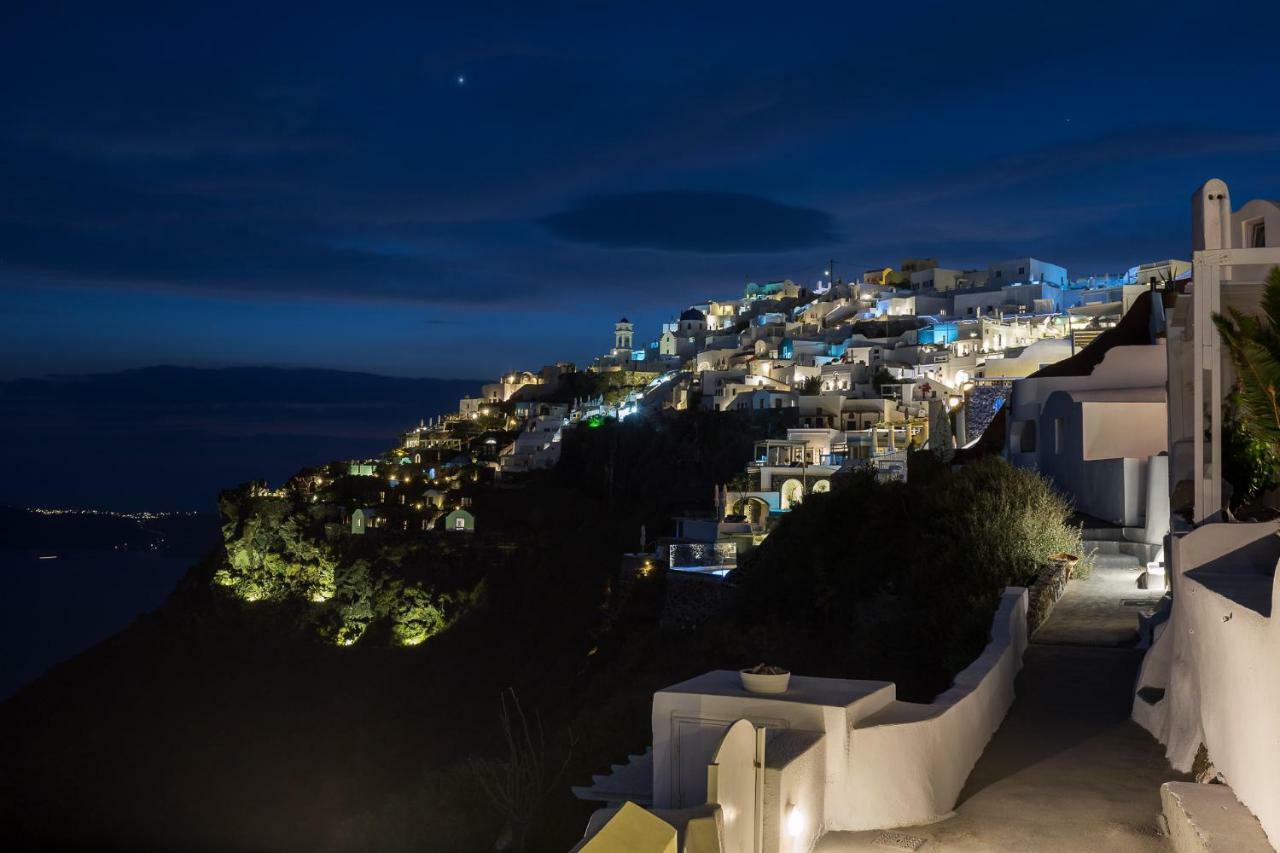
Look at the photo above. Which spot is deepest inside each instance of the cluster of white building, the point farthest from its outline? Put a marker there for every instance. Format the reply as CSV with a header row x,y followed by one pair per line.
x,y
869,366
916,358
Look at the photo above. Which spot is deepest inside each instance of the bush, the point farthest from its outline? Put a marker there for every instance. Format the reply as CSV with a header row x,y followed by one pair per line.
x,y
899,580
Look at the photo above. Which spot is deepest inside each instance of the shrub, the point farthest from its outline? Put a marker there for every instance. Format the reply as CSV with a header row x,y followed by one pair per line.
x,y
899,580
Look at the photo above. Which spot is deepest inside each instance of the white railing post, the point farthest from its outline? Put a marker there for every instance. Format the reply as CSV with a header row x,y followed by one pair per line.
x,y
1206,300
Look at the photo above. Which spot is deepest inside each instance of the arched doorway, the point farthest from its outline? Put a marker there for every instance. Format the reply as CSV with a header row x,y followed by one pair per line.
x,y
792,494
754,510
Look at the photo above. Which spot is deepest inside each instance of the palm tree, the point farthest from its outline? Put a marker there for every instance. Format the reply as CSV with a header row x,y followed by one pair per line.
x,y
1254,344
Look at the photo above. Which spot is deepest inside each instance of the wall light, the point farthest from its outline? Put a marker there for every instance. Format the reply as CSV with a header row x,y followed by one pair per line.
x,y
795,822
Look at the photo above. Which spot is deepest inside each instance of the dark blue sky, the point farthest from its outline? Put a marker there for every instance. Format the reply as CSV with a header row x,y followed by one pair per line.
x,y
213,184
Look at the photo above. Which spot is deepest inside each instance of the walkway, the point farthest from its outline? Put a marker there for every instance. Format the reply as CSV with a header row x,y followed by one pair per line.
x,y
1068,770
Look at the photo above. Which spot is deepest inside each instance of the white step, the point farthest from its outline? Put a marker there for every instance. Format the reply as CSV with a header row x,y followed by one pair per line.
x,y
1209,819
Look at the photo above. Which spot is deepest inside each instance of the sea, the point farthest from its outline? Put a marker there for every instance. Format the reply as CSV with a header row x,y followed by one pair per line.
x,y
56,605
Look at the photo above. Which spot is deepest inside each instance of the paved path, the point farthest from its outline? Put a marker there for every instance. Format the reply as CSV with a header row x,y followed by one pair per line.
x,y
1102,609
1068,771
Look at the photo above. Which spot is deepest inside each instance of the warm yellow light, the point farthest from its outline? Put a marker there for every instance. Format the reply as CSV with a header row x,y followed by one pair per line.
x,y
795,822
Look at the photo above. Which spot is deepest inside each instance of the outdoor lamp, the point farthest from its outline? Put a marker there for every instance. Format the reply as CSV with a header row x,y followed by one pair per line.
x,y
795,822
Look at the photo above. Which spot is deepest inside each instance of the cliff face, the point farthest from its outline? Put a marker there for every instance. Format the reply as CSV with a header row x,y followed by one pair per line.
x,y
279,549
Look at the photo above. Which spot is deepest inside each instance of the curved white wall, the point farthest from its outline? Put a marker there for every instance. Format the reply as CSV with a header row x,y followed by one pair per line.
x,y
1218,661
908,762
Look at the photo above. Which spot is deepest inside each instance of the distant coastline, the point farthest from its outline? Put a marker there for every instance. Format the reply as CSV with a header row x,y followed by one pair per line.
x,y
169,438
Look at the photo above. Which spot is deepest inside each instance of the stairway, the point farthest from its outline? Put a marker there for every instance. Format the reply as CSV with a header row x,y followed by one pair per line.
x,y
1121,548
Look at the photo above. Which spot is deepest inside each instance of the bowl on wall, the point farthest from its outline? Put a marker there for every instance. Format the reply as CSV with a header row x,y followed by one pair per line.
x,y
765,679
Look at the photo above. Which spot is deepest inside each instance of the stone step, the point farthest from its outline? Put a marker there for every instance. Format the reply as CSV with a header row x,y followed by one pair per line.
x,y
1116,561
1143,551
1209,819
1102,534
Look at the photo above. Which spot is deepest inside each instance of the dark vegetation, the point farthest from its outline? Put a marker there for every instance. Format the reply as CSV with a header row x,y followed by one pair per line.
x,y
216,724
1251,434
899,580
611,385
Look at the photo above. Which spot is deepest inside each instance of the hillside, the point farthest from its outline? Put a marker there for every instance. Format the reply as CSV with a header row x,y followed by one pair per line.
x,y
218,706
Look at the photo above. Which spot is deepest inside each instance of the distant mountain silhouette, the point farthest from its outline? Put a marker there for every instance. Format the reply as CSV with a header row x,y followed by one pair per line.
x,y
171,437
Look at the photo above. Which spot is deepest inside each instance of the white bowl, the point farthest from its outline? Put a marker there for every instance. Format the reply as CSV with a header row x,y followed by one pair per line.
x,y
755,682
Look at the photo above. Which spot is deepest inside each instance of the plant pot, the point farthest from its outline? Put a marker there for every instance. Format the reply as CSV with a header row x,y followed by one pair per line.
x,y
759,682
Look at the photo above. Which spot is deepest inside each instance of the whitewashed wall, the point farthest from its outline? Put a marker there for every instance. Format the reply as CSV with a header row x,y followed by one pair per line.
x,y
1218,660
908,763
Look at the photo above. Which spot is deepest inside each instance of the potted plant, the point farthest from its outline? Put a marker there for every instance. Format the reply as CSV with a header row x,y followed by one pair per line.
x,y
763,678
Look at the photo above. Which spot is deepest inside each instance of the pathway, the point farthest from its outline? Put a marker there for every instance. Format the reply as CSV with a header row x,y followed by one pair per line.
x,y
1068,770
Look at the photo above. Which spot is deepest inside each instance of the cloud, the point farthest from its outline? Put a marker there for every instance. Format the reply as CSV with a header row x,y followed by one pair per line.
x,y
692,221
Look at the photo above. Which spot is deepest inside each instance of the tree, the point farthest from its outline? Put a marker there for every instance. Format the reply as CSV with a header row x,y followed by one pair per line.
x,y
1254,345
517,785
811,386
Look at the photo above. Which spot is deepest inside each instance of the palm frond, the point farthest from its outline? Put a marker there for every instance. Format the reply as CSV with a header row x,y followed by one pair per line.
x,y
1254,348
1271,301
1259,390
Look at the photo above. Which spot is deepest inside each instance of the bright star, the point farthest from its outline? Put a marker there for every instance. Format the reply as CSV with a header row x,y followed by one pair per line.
x,y
462,80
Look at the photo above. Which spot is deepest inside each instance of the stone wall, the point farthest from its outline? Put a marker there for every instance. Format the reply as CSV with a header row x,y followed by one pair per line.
x,y
1049,586
692,599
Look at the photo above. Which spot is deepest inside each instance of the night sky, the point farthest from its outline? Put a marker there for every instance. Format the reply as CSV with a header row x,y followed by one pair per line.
x,y
458,189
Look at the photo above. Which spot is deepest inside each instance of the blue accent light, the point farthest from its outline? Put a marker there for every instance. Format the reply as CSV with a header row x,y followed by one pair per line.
x,y
938,334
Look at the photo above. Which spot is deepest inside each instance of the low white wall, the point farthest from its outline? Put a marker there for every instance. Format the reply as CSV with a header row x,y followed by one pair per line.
x,y
1218,661
908,763
844,754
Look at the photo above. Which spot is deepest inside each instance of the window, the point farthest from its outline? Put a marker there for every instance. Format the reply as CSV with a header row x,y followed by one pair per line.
x,y
459,523
1027,437
1022,270
1059,436
1258,234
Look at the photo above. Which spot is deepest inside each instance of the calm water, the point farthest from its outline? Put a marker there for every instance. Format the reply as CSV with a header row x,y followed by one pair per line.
x,y
54,609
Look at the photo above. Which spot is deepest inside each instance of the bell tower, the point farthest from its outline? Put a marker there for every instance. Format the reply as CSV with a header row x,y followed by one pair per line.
x,y
622,333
